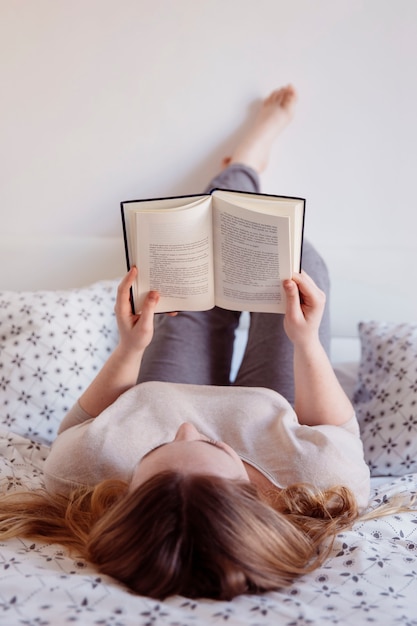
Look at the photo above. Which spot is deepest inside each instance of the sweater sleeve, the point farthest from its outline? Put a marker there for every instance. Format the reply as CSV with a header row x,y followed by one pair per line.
x,y
75,416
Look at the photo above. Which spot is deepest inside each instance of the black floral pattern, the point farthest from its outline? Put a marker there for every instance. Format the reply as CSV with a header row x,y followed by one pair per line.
x,y
51,345
370,575
386,397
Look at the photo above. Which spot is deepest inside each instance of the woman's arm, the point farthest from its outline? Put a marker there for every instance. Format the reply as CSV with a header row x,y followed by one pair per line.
x,y
319,397
120,371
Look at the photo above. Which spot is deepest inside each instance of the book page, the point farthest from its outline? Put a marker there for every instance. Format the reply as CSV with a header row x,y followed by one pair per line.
x,y
174,255
273,205
252,258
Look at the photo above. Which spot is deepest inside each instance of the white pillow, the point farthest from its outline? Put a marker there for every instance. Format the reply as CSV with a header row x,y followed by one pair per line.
x,y
52,344
386,397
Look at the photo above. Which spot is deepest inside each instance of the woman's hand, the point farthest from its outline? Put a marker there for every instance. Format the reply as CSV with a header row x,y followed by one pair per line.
x,y
120,371
135,331
319,398
305,306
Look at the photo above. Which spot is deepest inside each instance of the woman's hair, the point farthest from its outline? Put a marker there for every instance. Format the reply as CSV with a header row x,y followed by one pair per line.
x,y
56,518
204,536
193,535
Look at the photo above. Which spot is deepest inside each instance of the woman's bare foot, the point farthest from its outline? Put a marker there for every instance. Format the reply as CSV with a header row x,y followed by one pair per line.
x,y
276,112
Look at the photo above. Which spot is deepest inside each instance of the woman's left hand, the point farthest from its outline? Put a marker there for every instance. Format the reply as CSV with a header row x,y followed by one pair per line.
x,y
135,331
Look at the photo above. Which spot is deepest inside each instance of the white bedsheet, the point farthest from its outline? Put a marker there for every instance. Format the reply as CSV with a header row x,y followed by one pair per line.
x,y
370,577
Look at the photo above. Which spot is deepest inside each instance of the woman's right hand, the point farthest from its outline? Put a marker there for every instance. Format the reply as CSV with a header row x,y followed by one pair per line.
x,y
305,306
319,397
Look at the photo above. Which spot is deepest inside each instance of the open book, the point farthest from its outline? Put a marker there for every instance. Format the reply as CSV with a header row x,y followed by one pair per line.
x,y
229,249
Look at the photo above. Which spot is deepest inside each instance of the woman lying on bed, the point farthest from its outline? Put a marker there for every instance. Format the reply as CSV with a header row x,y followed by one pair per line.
x,y
181,482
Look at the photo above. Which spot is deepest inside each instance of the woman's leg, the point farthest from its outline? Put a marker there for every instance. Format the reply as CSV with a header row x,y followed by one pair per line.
x,y
193,347
268,358
237,177
197,347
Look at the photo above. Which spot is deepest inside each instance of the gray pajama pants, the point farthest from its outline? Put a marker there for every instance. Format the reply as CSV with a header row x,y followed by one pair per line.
x,y
197,347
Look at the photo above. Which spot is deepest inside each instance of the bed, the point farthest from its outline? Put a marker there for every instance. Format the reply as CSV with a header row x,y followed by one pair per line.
x,y
57,326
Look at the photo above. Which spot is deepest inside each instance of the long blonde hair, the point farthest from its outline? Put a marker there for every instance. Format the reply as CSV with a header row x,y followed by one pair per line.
x,y
195,535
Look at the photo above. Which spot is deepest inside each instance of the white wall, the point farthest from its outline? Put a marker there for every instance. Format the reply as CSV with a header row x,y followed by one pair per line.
x,y
106,100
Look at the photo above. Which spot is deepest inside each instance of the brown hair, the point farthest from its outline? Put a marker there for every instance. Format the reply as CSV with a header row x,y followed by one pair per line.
x,y
205,536
194,535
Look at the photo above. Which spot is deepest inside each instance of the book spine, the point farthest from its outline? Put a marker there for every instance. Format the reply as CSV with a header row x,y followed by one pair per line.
x,y
128,264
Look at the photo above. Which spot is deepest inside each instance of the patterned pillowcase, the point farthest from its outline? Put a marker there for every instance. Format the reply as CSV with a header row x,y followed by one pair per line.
x,y
386,397
52,344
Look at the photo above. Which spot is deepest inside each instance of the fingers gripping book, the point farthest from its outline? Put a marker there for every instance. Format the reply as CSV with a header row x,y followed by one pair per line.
x,y
229,249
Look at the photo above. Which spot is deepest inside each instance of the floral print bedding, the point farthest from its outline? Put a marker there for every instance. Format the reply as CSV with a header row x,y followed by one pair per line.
x,y
51,345
370,576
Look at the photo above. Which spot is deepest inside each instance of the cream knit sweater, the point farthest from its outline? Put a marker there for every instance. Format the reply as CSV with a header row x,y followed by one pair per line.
x,y
258,423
